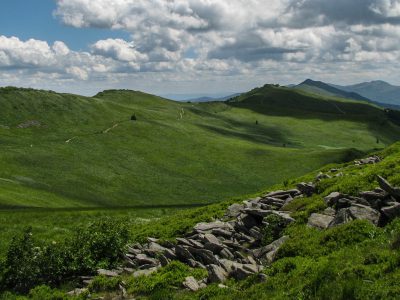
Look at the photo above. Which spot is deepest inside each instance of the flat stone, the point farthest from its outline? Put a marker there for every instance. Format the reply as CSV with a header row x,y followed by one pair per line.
x,y
362,212
205,256
234,210
216,273
306,188
387,187
319,221
143,259
107,273
332,198
212,225
392,211
183,254
222,232
225,253
274,246
342,216
191,284
145,272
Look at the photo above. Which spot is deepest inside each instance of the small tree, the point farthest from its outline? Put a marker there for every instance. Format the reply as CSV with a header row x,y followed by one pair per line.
x,y
133,117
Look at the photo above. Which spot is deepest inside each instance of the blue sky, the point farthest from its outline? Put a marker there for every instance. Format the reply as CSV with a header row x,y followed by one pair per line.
x,y
196,47
28,19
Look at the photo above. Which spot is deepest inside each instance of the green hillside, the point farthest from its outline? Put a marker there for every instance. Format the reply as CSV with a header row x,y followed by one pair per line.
x,y
62,150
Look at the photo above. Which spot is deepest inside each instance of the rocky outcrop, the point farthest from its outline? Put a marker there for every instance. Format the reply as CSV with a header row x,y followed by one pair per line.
x,y
379,207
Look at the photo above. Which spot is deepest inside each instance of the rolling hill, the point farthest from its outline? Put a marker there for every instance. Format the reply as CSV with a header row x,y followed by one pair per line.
x,y
63,150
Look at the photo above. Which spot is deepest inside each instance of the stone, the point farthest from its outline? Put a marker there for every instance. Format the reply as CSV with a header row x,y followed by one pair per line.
x,y
225,253
195,264
212,243
153,246
306,188
234,210
143,259
77,292
241,273
392,211
329,212
216,273
168,253
362,212
319,221
145,272
183,254
343,216
212,225
274,246
163,260
205,256
191,284
387,187
322,176
107,273
332,198
250,221
221,232
256,212
183,241
292,193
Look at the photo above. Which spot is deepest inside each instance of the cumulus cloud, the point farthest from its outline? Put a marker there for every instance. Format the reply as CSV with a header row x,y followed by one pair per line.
x,y
203,38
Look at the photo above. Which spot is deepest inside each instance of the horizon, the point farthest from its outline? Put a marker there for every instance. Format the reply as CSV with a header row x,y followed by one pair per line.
x,y
195,47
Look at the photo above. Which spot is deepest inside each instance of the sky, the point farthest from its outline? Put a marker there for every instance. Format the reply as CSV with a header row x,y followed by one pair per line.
x,y
196,47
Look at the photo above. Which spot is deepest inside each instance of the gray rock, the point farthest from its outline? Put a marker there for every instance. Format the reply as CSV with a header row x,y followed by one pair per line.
x,y
170,254
332,198
205,256
392,211
212,243
319,221
362,212
77,292
387,187
216,273
191,284
241,273
220,232
343,216
107,273
250,221
329,212
322,176
145,272
183,254
273,247
292,193
256,212
143,259
163,260
234,210
183,241
306,188
227,254
202,227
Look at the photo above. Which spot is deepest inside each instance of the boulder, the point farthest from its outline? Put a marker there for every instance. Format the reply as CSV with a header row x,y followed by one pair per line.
x,y
183,254
205,256
306,188
227,254
234,210
191,284
221,232
212,243
362,212
273,247
107,273
392,211
332,198
145,272
240,272
143,259
319,221
202,227
216,273
342,216
387,187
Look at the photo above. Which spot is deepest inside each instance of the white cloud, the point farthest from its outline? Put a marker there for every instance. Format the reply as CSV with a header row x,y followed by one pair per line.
x,y
199,40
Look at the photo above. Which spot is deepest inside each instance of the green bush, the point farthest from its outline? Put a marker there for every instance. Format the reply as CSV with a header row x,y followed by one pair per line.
x,y
28,263
104,284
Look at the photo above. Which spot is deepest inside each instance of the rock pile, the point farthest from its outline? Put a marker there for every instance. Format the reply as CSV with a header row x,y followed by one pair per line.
x,y
379,206
230,247
369,160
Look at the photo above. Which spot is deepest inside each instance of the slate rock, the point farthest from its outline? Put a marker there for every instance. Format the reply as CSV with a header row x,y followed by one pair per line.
x,y
319,221
362,212
183,254
212,225
387,187
191,284
234,210
216,273
392,211
306,188
332,198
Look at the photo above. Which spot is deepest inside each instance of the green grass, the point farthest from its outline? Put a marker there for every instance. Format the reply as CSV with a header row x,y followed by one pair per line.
x,y
175,153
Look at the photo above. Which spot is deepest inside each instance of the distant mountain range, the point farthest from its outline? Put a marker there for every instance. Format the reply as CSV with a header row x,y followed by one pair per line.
x,y
211,99
378,92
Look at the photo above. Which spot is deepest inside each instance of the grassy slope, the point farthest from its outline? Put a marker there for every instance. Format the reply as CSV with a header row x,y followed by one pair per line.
x,y
353,261
176,153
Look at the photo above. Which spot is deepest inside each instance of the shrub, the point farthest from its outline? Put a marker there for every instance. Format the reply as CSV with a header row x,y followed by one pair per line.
x,y
29,264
